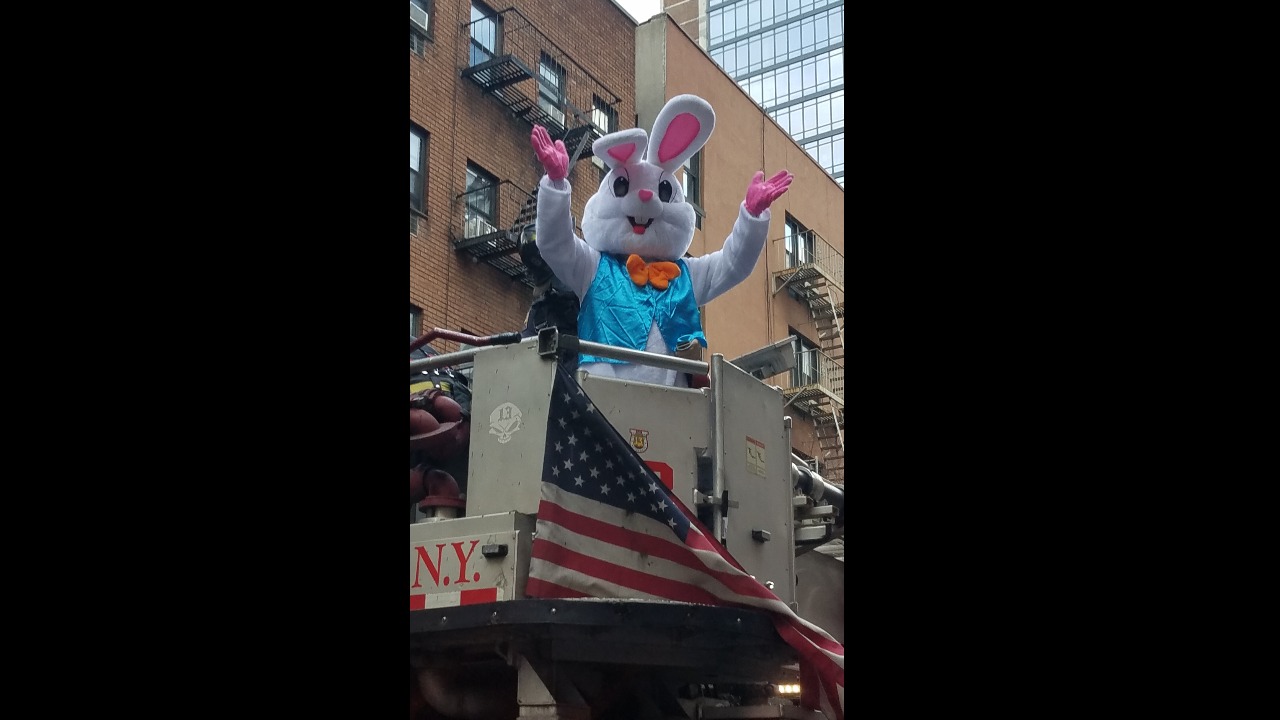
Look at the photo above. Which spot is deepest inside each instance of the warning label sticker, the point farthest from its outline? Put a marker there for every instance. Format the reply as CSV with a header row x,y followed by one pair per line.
x,y
755,456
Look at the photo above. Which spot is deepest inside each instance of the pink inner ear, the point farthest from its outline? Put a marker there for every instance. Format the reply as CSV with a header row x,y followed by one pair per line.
x,y
622,152
679,134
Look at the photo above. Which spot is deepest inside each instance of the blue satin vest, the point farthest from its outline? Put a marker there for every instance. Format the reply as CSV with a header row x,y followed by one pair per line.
x,y
615,311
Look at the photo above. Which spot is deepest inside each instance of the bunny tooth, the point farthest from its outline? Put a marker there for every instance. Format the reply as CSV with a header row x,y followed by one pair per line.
x,y
639,227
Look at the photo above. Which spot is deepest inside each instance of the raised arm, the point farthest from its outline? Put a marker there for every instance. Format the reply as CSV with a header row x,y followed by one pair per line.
x,y
568,256
715,273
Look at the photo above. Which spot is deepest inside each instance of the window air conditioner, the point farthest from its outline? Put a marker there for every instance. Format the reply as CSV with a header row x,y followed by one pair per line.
x,y
476,227
418,17
551,110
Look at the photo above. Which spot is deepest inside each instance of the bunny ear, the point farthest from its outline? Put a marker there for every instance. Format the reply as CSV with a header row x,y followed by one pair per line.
x,y
618,149
682,128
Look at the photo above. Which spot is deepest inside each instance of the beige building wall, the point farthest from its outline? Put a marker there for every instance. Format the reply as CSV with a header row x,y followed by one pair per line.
x,y
745,140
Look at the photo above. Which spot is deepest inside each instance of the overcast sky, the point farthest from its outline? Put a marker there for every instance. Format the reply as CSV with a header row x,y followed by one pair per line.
x,y
641,10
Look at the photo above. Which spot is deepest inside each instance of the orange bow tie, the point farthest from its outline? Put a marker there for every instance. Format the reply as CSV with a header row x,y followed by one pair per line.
x,y
657,274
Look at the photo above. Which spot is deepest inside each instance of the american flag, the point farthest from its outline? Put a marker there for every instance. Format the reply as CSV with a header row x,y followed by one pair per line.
x,y
608,527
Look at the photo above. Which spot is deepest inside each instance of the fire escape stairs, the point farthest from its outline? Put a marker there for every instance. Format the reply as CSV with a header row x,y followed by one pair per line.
x,y
829,425
819,288
512,78
529,211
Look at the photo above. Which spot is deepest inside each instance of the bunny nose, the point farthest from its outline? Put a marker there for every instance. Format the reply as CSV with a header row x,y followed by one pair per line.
x,y
645,195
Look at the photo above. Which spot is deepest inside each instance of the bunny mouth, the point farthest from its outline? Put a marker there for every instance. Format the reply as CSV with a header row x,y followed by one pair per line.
x,y
639,228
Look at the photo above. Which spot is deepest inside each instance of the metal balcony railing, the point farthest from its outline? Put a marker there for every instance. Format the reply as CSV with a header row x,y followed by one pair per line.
x,y
486,225
538,82
817,383
808,259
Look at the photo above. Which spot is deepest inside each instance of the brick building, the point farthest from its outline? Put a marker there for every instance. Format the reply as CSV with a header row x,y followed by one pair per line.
x,y
479,77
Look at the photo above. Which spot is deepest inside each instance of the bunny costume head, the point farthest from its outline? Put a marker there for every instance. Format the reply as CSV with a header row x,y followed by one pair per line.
x,y
640,205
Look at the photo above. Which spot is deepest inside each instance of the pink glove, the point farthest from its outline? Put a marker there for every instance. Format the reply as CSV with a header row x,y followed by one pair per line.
x,y
761,193
554,158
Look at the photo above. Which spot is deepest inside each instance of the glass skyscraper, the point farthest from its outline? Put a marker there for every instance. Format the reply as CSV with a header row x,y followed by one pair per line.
x,y
788,55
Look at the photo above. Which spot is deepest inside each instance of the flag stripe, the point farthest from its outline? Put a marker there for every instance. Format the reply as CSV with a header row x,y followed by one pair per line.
x,y
816,636
705,550
650,563
712,558
637,536
808,652
828,679
644,543
583,583
704,537
626,577
537,587
623,548
590,581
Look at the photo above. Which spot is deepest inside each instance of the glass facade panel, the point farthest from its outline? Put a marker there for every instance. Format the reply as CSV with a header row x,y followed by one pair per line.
x,y
788,56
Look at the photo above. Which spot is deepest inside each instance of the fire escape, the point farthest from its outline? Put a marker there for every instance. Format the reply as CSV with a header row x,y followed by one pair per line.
x,y
816,278
517,65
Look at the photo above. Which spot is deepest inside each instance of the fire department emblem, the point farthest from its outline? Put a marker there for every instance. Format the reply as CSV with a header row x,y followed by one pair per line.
x,y
639,439
504,421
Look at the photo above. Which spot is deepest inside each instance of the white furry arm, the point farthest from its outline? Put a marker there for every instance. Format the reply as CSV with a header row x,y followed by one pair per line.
x,y
715,273
572,259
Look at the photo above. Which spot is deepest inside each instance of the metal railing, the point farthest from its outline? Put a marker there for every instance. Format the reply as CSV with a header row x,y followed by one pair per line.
x,y
490,231
517,38
810,249
506,202
819,370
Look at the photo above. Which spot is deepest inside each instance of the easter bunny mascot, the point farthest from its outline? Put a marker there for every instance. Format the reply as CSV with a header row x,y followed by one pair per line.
x,y
638,290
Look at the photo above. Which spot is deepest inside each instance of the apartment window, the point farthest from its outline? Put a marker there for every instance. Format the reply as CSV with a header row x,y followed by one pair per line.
x,y
481,196
417,168
415,321
420,12
604,117
551,88
484,33
805,371
799,243
692,185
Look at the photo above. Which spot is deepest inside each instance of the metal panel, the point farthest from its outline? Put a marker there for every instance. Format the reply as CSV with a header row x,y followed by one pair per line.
x,y
664,425
753,456
706,643
511,391
447,565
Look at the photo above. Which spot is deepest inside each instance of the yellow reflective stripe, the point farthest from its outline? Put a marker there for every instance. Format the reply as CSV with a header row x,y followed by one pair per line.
x,y
430,385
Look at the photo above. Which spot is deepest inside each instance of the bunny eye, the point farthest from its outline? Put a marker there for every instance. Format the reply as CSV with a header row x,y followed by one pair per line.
x,y
620,186
664,191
